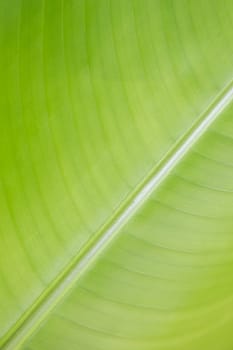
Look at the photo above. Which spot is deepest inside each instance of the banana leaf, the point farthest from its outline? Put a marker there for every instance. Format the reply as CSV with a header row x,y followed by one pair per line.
x,y
116,174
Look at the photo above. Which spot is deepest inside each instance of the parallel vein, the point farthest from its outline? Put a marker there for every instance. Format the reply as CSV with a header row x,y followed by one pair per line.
x,y
67,278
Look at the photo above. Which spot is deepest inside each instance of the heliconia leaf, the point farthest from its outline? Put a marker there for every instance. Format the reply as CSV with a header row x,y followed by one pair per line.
x,y
116,180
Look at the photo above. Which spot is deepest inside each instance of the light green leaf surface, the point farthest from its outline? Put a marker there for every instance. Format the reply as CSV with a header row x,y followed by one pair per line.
x,y
116,176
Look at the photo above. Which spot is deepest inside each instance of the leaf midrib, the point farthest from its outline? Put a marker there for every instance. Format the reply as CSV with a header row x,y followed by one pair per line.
x,y
37,312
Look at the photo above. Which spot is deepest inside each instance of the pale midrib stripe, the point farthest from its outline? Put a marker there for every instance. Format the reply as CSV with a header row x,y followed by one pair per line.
x,y
60,286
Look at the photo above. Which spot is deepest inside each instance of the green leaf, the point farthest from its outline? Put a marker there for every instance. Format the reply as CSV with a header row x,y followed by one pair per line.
x,y
116,187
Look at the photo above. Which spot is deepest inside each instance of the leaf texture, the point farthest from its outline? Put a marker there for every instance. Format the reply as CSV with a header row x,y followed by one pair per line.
x,y
96,98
